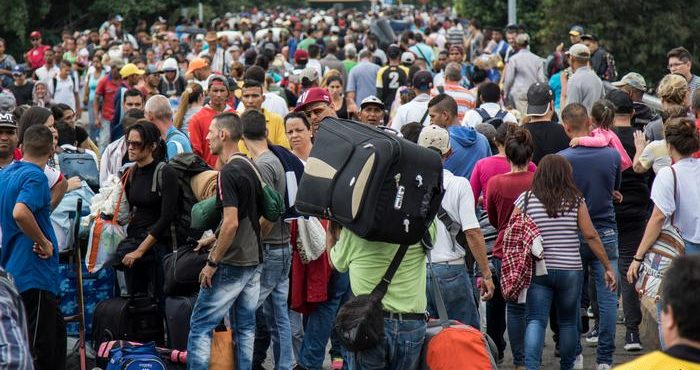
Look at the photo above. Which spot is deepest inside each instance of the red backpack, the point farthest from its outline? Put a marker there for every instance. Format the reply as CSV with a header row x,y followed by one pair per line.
x,y
516,271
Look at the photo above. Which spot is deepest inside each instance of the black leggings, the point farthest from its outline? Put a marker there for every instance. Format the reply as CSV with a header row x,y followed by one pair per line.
x,y
47,329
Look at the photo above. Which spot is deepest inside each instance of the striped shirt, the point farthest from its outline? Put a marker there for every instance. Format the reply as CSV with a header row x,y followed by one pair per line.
x,y
14,347
466,101
560,234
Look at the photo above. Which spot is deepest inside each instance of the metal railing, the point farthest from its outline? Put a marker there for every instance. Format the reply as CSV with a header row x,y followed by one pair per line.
x,y
652,101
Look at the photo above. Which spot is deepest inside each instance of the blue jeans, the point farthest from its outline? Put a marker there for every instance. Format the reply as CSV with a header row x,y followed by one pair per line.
x,y
235,290
104,135
564,288
403,341
296,323
514,314
691,248
456,289
274,291
319,322
607,300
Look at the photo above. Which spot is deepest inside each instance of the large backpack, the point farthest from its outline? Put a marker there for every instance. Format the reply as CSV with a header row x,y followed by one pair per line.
x,y
82,164
376,184
516,271
610,73
494,121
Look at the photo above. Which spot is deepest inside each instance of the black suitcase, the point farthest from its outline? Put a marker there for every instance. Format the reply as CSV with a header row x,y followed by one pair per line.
x,y
178,311
376,184
134,319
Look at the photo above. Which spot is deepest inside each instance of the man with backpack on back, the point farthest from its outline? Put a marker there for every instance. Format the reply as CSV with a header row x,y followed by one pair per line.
x,y
602,62
490,110
159,111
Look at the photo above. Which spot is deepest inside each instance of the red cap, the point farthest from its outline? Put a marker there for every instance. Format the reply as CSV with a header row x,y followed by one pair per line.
x,y
35,34
313,95
301,56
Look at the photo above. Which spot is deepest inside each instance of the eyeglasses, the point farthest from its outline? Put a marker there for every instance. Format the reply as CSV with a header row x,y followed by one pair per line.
x,y
675,65
35,39
135,144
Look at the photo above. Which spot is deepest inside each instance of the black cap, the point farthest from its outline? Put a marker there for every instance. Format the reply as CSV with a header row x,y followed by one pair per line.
x,y
589,36
539,95
623,103
7,120
393,51
422,80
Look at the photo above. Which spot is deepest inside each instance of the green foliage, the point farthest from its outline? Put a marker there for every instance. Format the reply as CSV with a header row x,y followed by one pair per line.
x,y
637,32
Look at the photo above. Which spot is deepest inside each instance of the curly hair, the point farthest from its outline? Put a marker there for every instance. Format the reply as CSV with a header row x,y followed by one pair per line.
x,y
673,89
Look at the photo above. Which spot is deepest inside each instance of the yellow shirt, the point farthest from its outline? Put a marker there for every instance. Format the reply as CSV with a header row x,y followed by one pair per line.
x,y
276,133
658,361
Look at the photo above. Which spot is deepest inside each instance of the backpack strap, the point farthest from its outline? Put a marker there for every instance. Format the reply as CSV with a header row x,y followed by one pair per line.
x,y
485,116
424,115
441,89
501,114
157,178
526,201
449,223
437,295
380,290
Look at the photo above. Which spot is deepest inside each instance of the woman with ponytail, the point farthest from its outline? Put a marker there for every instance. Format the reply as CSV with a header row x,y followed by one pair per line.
x,y
191,101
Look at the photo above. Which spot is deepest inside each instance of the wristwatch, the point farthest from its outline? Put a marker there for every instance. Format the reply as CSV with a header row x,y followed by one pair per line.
x,y
211,263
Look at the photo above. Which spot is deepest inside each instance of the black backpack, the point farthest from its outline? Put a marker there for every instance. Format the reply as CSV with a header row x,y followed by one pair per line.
x,y
494,121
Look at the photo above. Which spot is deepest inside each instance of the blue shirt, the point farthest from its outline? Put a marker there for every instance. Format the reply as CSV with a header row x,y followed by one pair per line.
x,y
363,80
177,143
24,182
597,175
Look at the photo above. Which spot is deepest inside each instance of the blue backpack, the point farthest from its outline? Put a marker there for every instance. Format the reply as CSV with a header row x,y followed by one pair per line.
x,y
82,164
135,357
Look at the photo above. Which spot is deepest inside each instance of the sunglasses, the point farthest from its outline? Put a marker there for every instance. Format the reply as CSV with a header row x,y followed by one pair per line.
x,y
135,144
35,39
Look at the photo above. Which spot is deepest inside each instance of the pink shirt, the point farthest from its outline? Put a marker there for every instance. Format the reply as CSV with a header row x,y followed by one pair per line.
x,y
487,168
601,137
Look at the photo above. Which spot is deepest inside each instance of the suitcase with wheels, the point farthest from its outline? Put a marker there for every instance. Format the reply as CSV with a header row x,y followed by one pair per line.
x,y
376,184
127,318
178,311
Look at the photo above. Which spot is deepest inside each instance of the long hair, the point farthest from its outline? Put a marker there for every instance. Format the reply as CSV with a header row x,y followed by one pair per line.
x,y
190,96
554,185
32,117
150,134
603,113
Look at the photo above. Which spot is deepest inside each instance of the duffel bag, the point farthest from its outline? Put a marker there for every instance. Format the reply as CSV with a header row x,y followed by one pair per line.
x,y
182,268
376,184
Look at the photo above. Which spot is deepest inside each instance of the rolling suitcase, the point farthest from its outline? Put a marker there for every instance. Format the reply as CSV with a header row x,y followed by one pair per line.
x,y
376,184
178,311
127,318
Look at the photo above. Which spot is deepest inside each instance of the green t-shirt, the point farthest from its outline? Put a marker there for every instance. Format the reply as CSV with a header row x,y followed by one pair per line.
x,y
349,64
368,261
304,44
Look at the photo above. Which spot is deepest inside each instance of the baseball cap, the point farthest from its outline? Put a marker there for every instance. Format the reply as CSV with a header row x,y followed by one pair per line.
x,y
576,31
371,100
422,80
7,120
408,58
434,136
632,79
130,69
589,36
623,103
18,69
310,74
393,51
311,96
539,95
221,79
579,51
118,18
35,35
301,56
196,64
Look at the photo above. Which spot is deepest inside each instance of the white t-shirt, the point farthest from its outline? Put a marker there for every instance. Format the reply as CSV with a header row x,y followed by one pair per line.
x,y
687,217
458,202
473,118
64,91
412,111
45,75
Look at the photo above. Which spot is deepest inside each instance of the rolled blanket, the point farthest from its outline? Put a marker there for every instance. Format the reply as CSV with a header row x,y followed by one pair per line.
x,y
204,184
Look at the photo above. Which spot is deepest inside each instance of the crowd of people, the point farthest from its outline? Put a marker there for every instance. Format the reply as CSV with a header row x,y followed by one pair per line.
x,y
598,172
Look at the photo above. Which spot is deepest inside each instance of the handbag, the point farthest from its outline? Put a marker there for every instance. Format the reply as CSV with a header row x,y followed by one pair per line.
x,y
311,239
182,268
360,321
272,203
221,357
105,236
205,215
658,258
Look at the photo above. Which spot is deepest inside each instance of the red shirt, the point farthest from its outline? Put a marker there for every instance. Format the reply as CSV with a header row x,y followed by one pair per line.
x,y
198,130
107,89
35,56
502,192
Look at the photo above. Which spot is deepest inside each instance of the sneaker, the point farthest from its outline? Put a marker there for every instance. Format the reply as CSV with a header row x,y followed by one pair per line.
x,y
589,312
592,337
604,367
337,363
578,363
632,343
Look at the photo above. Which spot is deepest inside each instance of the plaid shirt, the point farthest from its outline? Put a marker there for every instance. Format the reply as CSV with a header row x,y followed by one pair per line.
x,y
14,344
516,271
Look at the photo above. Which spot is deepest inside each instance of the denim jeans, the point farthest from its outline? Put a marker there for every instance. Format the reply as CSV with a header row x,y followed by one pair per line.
x,y
235,290
274,291
296,323
93,131
607,300
497,309
403,341
691,248
563,287
319,322
456,289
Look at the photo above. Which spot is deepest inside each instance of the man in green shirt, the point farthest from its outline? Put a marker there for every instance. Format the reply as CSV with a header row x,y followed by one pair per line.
x,y
404,303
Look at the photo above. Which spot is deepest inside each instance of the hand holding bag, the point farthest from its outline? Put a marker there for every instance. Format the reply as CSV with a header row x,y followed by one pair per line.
x,y
105,236
658,258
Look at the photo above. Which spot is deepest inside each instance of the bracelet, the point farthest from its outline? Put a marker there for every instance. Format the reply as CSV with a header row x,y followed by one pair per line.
x,y
211,263
638,259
